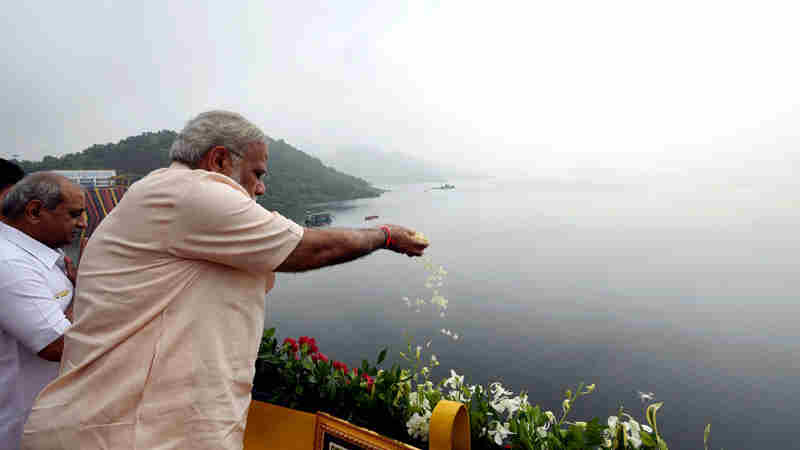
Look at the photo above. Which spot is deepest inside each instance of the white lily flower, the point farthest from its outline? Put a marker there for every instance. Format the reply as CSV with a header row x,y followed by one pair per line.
x,y
457,396
455,381
646,396
542,432
500,432
499,407
419,425
552,417
498,390
647,428
612,422
636,439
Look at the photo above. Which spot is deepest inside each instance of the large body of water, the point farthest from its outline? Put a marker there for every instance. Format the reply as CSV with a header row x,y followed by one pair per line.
x,y
689,292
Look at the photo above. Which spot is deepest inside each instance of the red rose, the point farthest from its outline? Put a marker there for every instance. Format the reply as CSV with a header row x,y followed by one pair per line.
x,y
340,366
312,343
370,383
292,345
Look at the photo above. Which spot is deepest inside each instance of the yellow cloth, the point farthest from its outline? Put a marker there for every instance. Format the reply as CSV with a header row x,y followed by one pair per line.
x,y
168,318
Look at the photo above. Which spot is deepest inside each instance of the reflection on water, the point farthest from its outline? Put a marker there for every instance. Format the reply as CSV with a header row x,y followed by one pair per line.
x,y
685,291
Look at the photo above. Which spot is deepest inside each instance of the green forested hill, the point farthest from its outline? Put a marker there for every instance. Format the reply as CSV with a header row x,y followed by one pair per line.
x,y
296,179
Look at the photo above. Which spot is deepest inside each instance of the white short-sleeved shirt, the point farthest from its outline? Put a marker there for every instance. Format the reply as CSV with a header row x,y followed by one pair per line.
x,y
34,292
168,317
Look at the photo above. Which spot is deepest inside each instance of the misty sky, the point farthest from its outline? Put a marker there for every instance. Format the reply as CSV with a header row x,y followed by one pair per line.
x,y
636,86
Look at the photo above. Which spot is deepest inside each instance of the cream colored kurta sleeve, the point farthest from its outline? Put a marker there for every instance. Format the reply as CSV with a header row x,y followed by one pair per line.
x,y
219,223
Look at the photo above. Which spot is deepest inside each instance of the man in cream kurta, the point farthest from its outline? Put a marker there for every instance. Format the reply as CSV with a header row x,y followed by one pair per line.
x,y
188,256
169,309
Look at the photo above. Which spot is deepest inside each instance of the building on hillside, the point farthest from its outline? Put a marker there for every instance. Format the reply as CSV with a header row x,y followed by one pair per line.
x,y
103,189
90,178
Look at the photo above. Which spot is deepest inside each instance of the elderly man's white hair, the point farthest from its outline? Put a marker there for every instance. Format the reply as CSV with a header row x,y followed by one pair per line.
x,y
211,129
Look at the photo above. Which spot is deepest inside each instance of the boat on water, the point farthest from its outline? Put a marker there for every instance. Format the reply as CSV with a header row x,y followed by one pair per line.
x,y
318,219
445,186
370,217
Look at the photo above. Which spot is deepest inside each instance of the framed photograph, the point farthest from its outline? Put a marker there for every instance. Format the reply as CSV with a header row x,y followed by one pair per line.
x,y
337,434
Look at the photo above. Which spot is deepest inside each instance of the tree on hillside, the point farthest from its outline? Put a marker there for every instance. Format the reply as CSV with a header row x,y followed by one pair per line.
x,y
296,179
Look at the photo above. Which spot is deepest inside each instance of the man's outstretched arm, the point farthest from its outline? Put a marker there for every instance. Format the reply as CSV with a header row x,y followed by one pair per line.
x,y
326,247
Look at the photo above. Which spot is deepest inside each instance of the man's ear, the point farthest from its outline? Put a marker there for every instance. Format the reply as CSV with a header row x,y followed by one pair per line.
x,y
215,160
33,211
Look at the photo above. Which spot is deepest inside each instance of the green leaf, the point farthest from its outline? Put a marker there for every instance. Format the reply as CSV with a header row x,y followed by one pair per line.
x,y
268,333
382,356
647,439
651,415
706,433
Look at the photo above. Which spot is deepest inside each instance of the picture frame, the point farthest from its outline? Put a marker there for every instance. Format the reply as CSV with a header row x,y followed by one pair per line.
x,y
336,434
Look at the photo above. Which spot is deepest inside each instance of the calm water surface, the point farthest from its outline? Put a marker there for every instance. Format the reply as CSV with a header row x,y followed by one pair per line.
x,y
686,291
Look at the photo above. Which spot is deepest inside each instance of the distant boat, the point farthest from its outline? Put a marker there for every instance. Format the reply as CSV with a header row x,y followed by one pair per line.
x,y
370,217
445,186
318,219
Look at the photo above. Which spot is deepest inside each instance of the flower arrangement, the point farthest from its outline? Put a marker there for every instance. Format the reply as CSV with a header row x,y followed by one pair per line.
x,y
398,402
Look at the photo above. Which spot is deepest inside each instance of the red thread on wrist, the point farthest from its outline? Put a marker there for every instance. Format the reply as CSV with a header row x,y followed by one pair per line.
x,y
388,236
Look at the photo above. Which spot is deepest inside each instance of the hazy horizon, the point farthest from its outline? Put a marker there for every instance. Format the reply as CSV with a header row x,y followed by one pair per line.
x,y
534,88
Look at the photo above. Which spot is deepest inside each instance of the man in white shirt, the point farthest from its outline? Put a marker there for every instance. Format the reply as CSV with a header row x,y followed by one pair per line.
x,y
42,213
